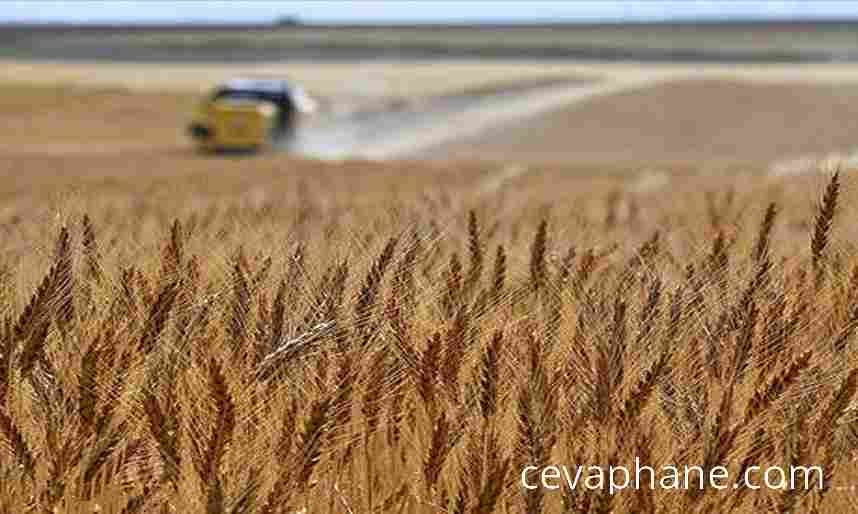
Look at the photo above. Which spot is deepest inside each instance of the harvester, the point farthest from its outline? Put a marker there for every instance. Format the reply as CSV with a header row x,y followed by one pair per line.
x,y
249,115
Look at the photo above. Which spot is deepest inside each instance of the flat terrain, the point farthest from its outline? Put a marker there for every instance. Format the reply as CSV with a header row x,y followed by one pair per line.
x,y
391,78
712,42
518,111
39,118
692,120
347,84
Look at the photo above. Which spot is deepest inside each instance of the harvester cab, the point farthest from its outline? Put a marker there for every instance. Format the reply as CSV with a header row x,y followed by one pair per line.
x,y
249,114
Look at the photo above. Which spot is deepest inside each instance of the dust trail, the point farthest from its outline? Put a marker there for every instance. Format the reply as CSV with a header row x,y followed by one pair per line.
x,y
808,164
405,132
493,112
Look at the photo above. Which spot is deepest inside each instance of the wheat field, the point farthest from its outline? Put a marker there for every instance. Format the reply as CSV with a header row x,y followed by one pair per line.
x,y
407,337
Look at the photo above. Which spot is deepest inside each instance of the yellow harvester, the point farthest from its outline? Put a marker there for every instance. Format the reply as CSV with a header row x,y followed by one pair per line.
x,y
248,114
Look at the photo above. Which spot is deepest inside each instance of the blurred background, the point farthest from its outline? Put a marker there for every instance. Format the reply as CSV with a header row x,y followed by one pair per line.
x,y
767,83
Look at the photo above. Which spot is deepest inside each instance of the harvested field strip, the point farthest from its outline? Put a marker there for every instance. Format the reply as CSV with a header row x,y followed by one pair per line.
x,y
687,120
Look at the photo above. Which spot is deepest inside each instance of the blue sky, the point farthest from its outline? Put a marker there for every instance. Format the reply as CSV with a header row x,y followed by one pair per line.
x,y
405,11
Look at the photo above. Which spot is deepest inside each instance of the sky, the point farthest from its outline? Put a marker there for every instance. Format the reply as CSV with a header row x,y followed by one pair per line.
x,y
392,11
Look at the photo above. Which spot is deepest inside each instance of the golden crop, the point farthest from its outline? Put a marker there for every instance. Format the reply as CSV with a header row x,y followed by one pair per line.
x,y
365,338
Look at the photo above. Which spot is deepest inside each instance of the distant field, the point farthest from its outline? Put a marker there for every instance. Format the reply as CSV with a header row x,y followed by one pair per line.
x,y
86,120
663,117
396,79
693,120
833,41
348,81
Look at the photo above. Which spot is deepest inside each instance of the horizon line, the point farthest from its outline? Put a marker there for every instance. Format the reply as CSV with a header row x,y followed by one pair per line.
x,y
298,21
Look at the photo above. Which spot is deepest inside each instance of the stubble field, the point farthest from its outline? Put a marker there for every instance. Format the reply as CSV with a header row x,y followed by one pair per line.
x,y
698,120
